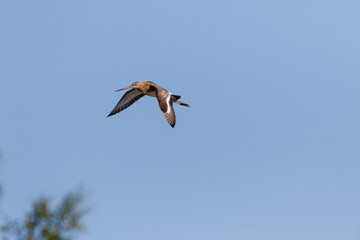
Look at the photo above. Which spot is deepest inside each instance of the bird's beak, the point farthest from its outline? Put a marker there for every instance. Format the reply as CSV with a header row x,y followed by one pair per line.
x,y
124,88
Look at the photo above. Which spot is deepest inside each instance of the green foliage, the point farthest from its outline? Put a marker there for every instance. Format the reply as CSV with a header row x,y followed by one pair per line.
x,y
46,223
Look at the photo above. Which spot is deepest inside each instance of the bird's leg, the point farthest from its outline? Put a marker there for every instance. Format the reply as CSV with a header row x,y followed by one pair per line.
x,y
182,103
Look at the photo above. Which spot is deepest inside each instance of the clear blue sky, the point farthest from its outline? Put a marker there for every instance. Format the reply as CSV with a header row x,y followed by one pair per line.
x,y
270,148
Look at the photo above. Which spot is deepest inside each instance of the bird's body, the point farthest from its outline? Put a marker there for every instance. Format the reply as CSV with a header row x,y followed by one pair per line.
x,y
140,89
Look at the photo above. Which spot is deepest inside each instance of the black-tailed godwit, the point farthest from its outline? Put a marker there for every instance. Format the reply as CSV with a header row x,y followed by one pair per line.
x,y
140,89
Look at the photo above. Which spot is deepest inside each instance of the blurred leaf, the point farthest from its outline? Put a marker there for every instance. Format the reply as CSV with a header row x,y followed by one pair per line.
x,y
44,222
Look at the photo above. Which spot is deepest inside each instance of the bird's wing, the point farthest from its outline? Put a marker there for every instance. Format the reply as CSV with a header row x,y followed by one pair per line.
x,y
166,106
129,98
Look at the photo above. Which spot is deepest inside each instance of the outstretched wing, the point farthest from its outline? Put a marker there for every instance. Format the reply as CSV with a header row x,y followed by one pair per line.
x,y
166,106
126,101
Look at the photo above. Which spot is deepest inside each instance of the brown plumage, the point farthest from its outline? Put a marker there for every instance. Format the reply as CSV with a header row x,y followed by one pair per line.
x,y
140,89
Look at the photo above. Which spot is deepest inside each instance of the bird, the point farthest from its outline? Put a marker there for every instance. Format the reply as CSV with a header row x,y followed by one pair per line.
x,y
140,89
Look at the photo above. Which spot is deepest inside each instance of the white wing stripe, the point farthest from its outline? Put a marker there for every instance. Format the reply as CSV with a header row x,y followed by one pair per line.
x,y
168,103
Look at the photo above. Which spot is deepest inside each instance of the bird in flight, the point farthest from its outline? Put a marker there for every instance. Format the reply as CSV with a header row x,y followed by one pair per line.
x,y
140,89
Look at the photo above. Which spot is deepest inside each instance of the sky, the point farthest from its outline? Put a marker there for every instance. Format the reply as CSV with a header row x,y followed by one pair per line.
x,y
269,148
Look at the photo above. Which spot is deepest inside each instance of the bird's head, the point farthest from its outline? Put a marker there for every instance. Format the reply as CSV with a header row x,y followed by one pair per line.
x,y
133,85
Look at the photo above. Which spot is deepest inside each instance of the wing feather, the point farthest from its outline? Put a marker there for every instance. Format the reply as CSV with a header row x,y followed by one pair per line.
x,y
166,106
126,101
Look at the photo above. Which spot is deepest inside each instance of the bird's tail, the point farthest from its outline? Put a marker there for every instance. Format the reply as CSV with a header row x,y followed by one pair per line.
x,y
176,100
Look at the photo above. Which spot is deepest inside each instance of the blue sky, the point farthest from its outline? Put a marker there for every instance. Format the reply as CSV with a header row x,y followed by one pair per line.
x,y
268,150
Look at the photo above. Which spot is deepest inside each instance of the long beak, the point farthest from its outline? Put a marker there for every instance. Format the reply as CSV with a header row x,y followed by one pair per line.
x,y
123,88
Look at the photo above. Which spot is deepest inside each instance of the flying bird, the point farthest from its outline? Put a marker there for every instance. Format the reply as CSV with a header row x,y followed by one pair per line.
x,y
140,89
